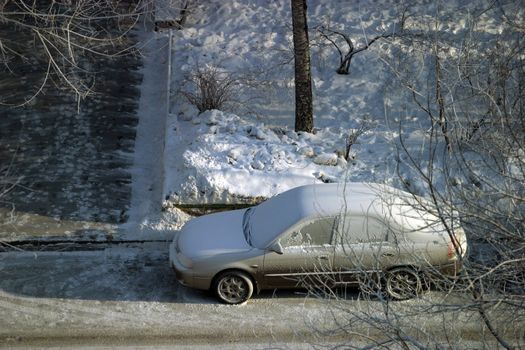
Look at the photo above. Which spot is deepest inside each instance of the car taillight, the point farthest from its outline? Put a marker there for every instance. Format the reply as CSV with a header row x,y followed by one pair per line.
x,y
458,245
451,253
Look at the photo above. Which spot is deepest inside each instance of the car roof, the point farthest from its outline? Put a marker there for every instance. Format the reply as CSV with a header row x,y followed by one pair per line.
x,y
331,199
279,213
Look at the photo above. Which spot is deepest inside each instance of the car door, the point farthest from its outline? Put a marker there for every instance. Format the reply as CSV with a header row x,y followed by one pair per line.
x,y
307,255
362,247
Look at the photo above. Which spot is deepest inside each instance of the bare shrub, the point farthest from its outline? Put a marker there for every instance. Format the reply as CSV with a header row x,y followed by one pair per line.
x,y
211,88
354,134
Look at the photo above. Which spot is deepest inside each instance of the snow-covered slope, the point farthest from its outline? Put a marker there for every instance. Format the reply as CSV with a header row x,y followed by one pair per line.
x,y
252,150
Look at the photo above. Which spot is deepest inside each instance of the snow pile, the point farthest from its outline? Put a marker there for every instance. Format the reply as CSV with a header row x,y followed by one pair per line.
x,y
228,154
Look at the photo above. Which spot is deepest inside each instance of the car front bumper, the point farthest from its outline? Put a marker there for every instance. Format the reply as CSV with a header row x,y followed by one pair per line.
x,y
184,275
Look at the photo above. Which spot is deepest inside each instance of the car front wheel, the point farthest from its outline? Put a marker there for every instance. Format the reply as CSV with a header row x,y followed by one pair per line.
x,y
403,283
233,287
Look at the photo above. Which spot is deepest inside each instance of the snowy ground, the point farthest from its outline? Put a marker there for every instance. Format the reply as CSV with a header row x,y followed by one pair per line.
x,y
252,150
217,156
144,216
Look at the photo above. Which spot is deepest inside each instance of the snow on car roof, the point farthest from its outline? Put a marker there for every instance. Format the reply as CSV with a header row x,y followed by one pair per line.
x,y
279,213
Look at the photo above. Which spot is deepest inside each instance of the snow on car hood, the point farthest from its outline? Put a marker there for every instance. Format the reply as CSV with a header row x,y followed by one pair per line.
x,y
213,234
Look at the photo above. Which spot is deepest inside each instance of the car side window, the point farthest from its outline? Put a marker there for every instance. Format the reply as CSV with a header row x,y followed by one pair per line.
x,y
314,232
362,229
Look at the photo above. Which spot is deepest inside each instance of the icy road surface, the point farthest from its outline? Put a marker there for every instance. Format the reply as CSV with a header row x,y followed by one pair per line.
x,y
126,295
129,294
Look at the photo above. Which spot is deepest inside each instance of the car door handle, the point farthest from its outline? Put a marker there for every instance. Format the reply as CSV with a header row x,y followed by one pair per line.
x,y
322,257
387,255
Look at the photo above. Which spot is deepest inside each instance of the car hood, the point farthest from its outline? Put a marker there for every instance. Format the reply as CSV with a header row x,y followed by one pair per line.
x,y
213,234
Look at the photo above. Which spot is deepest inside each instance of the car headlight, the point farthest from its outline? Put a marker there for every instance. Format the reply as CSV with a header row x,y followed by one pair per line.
x,y
186,262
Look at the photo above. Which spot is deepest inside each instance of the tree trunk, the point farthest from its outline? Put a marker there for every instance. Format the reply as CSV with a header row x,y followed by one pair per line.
x,y
442,121
304,120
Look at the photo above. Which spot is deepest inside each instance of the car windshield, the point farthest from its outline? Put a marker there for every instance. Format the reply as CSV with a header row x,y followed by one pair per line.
x,y
246,225
271,218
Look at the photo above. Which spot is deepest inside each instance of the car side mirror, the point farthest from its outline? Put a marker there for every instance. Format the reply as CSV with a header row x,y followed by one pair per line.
x,y
277,247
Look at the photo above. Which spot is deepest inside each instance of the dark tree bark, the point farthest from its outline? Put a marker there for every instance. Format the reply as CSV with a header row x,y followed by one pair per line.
x,y
345,59
304,120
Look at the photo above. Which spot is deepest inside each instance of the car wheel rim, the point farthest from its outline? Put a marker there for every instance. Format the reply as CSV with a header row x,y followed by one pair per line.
x,y
403,284
233,289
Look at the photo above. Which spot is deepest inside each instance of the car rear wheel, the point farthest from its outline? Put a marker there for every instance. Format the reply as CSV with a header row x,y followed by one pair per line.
x,y
403,283
233,287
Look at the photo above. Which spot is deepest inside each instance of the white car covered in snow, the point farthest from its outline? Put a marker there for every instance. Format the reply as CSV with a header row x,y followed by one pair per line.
x,y
324,233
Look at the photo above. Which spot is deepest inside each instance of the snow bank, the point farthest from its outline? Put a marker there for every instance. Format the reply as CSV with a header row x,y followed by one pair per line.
x,y
227,158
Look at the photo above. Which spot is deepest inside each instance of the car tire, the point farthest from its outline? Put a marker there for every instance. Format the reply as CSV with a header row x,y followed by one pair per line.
x,y
233,287
403,283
